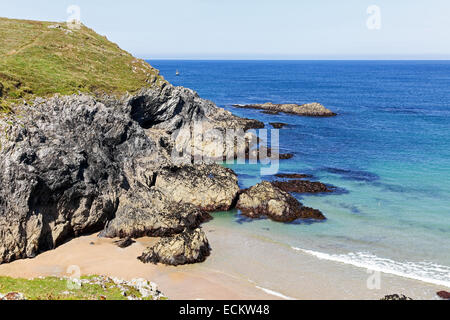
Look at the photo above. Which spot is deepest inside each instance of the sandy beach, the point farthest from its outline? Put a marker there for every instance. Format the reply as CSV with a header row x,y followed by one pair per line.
x,y
241,266
97,256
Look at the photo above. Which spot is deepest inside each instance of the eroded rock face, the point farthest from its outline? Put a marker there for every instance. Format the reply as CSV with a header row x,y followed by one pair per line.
x,y
61,168
266,200
71,165
208,187
309,110
196,126
151,213
191,246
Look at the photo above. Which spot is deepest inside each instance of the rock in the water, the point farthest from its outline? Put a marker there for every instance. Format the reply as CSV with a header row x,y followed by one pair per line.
x,y
396,297
302,186
293,176
286,156
188,247
271,112
266,200
278,125
264,154
444,295
310,109
124,243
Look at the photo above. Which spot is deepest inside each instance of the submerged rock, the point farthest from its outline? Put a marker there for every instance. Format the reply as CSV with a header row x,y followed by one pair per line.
x,y
266,200
310,109
293,176
264,154
191,246
302,186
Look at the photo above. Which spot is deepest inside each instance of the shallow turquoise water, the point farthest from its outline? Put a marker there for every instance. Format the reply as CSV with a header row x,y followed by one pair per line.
x,y
389,149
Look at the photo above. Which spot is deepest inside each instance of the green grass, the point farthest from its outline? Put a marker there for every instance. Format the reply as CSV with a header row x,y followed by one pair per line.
x,y
52,288
36,60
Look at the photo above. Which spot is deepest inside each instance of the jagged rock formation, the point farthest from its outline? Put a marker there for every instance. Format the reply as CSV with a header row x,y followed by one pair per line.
x,y
190,246
266,200
75,164
208,187
308,110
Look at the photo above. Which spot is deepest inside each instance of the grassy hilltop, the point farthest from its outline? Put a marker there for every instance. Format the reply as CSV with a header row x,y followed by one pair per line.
x,y
43,58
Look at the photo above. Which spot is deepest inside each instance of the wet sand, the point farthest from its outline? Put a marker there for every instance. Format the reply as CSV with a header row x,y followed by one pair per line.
x,y
96,256
241,266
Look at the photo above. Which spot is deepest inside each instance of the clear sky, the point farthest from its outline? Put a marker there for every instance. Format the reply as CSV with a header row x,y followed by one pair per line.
x,y
260,29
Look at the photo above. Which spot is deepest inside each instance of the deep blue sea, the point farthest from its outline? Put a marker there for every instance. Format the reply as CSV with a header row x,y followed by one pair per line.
x,y
389,149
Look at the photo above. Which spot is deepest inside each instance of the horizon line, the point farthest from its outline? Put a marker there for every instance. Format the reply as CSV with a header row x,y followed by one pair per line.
x,y
294,59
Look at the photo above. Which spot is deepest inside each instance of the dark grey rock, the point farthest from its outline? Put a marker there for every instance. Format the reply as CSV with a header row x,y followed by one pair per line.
x,y
75,165
188,247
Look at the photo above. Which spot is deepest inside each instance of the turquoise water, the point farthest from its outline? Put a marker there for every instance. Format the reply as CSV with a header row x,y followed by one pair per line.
x,y
388,151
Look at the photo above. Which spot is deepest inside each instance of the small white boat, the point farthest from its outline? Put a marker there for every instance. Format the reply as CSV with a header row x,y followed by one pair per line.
x,y
178,73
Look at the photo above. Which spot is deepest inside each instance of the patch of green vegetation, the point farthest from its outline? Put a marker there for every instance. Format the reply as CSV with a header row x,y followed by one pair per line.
x,y
44,58
52,288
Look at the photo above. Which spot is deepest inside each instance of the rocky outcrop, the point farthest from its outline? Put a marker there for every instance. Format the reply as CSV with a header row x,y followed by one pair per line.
x,y
77,164
61,168
208,187
303,186
266,200
197,127
152,213
191,246
309,110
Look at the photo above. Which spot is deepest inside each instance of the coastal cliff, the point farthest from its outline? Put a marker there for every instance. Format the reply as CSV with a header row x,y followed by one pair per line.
x,y
123,152
98,157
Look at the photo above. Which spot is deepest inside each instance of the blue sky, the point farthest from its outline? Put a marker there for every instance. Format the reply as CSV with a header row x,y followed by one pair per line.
x,y
259,29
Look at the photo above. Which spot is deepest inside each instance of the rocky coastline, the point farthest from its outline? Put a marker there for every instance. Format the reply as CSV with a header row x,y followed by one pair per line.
x,y
74,165
306,110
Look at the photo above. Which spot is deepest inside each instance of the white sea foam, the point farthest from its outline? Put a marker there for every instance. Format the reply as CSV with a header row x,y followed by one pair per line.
x,y
422,271
274,293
